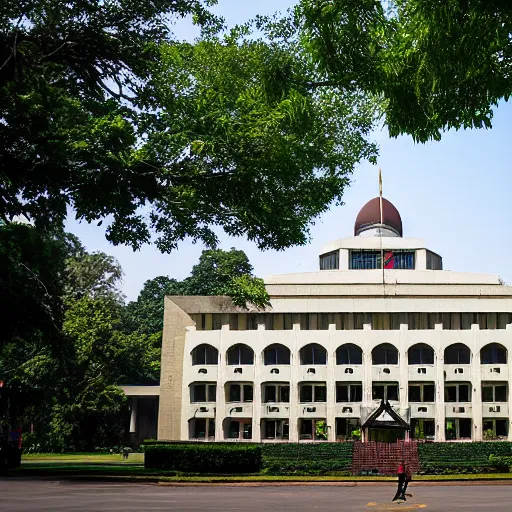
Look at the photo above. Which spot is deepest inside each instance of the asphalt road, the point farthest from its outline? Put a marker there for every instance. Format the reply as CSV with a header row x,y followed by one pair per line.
x,y
28,495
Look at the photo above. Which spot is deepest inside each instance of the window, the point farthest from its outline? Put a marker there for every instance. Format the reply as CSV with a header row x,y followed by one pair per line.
x,y
349,392
216,321
252,322
233,322
347,427
459,428
422,428
493,353
313,354
504,319
417,321
287,321
313,393
385,392
420,354
421,393
496,427
329,261
276,429
200,428
385,354
276,355
457,393
276,393
494,393
240,393
240,354
457,354
396,259
349,354
203,393
205,354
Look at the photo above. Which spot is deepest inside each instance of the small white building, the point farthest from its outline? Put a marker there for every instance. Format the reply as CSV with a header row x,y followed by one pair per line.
x,y
339,342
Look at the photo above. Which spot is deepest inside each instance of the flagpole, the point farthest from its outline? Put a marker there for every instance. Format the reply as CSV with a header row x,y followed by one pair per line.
x,y
381,224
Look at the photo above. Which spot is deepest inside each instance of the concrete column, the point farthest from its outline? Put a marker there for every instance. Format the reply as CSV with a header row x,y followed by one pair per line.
x,y
476,384
440,411
133,415
294,384
331,385
257,399
220,406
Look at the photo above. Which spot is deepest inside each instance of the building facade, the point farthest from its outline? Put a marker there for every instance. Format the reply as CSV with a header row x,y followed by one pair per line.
x,y
379,323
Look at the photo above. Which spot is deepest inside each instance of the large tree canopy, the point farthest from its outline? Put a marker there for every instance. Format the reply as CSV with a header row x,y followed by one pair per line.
x,y
434,65
218,272
101,110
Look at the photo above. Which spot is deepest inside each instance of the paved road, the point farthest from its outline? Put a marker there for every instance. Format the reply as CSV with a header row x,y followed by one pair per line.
x,y
27,495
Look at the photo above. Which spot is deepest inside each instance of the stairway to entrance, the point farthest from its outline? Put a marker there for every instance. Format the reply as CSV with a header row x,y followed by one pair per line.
x,y
383,458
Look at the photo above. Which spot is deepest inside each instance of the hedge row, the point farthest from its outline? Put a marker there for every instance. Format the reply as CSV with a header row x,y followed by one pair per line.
x,y
302,458
443,458
204,457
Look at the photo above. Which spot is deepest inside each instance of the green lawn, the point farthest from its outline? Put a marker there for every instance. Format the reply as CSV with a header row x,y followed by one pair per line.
x,y
81,458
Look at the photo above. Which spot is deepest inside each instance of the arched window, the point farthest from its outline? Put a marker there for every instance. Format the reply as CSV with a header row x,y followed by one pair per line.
x,y
421,354
205,354
385,353
240,354
276,354
494,353
349,354
313,354
457,354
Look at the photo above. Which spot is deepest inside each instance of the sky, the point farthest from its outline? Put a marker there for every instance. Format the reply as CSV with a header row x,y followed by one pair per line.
x,y
454,194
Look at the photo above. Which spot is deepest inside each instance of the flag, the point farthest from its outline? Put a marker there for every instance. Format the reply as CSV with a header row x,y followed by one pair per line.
x,y
380,182
389,260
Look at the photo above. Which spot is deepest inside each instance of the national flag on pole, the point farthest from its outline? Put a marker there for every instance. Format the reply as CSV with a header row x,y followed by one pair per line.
x,y
380,182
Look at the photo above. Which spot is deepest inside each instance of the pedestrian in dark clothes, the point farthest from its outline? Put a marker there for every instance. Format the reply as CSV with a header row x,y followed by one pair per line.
x,y
402,482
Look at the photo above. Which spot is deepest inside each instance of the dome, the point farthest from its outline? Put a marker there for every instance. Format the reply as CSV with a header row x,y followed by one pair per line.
x,y
369,217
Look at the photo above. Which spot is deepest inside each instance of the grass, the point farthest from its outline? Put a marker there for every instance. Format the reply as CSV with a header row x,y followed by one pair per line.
x,y
113,466
104,458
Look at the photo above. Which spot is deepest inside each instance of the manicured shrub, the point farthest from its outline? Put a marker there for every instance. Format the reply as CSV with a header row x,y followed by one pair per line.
x,y
460,458
204,457
307,458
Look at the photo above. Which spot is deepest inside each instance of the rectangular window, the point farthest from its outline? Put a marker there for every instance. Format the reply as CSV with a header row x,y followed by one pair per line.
x,y
500,393
429,393
385,391
393,259
502,428
306,393
330,261
199,393
235,393
284,393
212,392
252,322
287,322
216,321
247,392
450,394
233,322
270,394
320,394
487,394
269,322
414,393
349,393
199,428
464,393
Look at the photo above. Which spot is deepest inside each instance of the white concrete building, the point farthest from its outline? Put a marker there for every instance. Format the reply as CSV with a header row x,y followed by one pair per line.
x,y
435,344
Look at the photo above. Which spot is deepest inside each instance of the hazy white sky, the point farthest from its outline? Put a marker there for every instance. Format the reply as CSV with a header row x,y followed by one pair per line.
x,y
454,194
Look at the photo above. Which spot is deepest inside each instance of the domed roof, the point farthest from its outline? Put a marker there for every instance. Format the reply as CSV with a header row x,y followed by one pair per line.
x,y
369,217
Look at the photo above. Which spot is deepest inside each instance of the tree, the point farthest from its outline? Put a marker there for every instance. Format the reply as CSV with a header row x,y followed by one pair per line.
x,y
218,272
89,412
104,112
435,66
95,275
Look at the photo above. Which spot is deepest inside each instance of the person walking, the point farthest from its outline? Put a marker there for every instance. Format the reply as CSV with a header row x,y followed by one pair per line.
x,y
402,482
